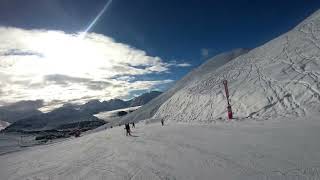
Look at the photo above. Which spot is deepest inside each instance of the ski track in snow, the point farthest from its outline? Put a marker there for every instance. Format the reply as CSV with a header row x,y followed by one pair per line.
x,y
280,78
234,150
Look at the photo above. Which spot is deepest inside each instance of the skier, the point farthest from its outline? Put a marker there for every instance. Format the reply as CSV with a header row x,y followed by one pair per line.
x,y
162,122
133,125
77,133
127,128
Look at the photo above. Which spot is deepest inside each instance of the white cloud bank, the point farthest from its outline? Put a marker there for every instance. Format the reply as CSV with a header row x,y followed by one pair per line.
x,y
60,67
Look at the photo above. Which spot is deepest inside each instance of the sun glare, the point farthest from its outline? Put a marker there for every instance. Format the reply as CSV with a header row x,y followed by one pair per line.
x,y
70,55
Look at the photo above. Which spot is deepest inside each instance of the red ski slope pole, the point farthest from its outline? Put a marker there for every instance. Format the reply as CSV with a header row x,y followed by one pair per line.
x,y
225,83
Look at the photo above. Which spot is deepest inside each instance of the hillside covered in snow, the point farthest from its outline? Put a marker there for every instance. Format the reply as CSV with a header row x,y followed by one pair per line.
x,y
197,74
280,78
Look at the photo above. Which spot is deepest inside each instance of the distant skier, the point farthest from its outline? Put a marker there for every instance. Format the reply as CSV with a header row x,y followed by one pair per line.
x,y
127,128
77,133
162,122
133,125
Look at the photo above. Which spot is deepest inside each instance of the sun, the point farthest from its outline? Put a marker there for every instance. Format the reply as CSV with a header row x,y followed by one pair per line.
x,y
70,55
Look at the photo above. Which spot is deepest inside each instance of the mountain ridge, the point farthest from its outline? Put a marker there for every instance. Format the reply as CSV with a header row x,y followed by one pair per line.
x,y
73,114
148,111
279,78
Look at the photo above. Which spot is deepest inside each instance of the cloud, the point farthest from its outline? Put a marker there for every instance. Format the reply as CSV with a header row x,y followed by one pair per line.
x,y
183,65
64,79
177,64
59,67
98,85
17,52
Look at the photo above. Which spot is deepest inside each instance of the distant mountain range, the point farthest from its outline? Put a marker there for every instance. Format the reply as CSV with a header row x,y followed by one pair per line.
x,y
95,106
20,110
69,115
3,124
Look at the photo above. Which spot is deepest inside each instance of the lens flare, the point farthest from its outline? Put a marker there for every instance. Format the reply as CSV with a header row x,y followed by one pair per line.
x,y
96,19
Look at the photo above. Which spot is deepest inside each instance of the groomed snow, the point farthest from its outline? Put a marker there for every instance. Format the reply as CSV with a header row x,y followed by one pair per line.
x,y
280,78
274,149
147,111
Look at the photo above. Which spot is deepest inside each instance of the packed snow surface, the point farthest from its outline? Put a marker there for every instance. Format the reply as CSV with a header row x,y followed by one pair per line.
x,y
275,149
15,142
280,78
147,111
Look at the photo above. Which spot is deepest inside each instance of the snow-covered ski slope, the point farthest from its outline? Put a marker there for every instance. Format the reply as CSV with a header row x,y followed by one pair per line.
x,y
251,150
279,81
147,111
280,78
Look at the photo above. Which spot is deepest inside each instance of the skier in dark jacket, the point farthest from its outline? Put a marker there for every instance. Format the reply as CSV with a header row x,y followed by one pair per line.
x,y
77,133
127,128
162,122
133,125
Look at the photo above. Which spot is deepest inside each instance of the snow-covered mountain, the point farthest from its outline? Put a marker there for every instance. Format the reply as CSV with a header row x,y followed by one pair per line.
x,y
71,115
20,110
111,116
143,99
52,120
197,74
280,78
95,106
3,124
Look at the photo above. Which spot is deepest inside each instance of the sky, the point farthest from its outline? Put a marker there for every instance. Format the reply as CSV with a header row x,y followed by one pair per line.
x,y
73,51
